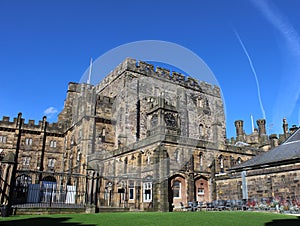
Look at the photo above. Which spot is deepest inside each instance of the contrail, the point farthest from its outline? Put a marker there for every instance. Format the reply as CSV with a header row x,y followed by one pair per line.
x,y
254,72
290,88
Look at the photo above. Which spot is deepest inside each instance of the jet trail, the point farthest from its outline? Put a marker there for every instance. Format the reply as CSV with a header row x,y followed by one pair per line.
x,y
254,73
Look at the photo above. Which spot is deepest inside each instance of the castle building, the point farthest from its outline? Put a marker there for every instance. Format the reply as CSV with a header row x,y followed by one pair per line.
x,y
143,138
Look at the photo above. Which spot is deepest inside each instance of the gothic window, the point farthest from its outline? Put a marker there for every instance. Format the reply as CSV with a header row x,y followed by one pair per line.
x,y
28,141
154,120
177,155
201,160
102,135
201,130
170,120
177,189
148,155
221,159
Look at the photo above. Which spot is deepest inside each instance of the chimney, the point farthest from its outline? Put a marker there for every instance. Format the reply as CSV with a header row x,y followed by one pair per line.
x,y
273,140
293,129
239,127
261,126
285,127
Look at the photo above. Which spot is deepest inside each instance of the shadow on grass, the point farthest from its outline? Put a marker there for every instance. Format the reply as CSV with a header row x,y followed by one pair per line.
x,y
285,222
42,221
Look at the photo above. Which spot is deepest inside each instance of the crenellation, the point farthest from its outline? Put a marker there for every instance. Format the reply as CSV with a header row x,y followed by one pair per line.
x,y
162,72
141,67
206,88
178,77
5,119
146,68
31,122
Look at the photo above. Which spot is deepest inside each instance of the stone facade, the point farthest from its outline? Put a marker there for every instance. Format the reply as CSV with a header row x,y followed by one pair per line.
x,y
143,138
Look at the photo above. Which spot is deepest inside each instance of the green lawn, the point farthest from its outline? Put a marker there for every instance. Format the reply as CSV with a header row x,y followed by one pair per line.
x,y
172,219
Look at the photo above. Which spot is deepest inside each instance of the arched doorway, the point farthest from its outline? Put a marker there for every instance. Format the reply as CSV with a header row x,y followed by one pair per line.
x,y
21,192
201,189
177,191
49,187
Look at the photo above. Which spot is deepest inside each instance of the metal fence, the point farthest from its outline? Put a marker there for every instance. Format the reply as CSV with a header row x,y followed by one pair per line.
x,y
50,190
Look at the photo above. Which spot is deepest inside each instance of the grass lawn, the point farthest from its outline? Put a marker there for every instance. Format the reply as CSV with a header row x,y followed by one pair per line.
x,y
172,219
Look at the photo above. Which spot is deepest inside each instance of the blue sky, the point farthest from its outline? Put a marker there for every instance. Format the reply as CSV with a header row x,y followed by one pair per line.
x,y
247,44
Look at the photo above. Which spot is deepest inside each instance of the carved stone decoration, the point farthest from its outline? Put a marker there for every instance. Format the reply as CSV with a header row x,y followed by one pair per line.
x,y
170,120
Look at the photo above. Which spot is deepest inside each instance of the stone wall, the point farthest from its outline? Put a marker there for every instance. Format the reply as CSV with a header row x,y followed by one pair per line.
x,y
280,182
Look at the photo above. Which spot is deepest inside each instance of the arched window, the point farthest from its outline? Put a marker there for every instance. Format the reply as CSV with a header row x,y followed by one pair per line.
x,y
201,130
178,156
221,159
177,189
201,160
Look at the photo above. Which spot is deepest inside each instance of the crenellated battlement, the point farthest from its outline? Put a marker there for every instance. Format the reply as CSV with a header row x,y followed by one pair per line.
x,y
144,68
6,122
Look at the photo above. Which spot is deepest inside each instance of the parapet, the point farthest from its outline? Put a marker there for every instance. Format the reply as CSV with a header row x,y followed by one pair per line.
x,y
31,125
146,69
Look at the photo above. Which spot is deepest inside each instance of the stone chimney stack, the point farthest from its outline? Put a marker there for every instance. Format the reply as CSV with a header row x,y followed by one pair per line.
x,y
239,126
274,140
261,126
285,127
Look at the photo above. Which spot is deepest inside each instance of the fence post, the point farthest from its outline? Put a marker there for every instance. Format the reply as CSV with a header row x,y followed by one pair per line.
x,y
50,204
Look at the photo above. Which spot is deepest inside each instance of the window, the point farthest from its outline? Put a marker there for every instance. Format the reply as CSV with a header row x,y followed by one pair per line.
x,y
178,155
148,158
131,190
200,191
176,189
2,139
28,141
51,163
147,191
26,160
201,160
221,158
53,144
102,135
201,130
